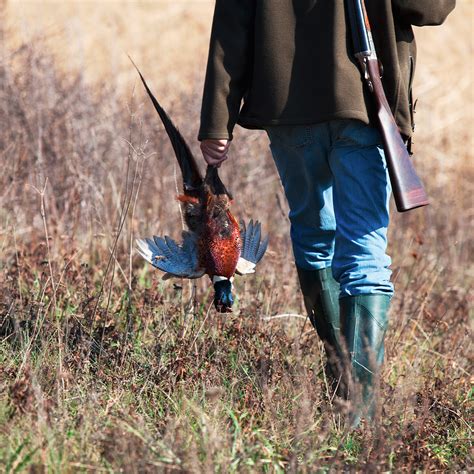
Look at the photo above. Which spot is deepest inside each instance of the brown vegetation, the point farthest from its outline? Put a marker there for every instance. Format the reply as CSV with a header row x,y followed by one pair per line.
x,y
104,367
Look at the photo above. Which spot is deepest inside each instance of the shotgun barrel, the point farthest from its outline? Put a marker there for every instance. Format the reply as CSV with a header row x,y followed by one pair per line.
x,y
408,191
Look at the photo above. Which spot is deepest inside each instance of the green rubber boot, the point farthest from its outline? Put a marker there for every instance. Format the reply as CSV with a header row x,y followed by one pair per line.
x,y
321,299
364,321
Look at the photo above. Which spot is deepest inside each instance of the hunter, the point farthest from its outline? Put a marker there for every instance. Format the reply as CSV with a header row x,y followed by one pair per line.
x,y
286,67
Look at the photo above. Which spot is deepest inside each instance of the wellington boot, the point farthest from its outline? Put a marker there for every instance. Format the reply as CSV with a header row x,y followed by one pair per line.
x,y
321,298
364,321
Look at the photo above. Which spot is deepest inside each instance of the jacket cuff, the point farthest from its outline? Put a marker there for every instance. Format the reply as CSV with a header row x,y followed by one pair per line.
x,y
211,135
423,12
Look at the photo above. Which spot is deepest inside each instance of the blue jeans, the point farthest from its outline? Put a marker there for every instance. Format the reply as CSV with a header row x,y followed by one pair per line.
x,y
336,183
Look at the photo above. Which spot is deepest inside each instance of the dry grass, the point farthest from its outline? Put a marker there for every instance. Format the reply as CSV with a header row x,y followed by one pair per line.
x,y
104,367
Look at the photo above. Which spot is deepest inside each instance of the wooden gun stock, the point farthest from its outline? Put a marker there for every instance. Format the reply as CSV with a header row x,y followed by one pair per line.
x,y
408,191
407,188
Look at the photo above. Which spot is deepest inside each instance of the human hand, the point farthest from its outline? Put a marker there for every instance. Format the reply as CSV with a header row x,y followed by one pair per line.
x,y
215,151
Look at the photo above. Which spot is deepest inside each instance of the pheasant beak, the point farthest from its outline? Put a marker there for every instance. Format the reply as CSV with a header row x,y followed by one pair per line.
x,y
223,299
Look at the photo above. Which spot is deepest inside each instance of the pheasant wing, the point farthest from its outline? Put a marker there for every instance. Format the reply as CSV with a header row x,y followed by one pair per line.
x,y
176,260
253,247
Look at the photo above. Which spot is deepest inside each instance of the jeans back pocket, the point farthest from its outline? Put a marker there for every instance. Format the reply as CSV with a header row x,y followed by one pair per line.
x,y
291,136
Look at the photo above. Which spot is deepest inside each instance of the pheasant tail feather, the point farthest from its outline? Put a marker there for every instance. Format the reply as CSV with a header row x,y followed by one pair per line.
x,y
192,178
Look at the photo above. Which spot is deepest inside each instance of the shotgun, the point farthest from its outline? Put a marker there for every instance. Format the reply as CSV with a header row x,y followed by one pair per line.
x,y
408,190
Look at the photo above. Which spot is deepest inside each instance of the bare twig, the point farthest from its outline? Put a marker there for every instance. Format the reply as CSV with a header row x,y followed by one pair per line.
x,y
281,316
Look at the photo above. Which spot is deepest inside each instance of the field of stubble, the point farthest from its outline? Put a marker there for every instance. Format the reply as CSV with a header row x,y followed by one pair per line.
x,y
104,366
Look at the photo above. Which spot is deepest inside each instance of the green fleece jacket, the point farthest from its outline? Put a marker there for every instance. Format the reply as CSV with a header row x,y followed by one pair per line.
x,y
288,62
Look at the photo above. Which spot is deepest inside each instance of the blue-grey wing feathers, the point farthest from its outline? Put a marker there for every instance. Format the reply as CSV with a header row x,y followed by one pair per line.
x,y
166,255
253,247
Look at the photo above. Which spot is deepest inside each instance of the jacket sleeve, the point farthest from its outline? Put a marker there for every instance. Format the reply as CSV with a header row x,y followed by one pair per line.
x,y
228,68
423,12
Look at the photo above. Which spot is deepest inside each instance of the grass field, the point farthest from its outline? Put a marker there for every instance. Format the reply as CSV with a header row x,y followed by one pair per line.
x,y
104,366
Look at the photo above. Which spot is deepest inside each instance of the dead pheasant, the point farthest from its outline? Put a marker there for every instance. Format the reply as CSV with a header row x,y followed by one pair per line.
x,y
215,244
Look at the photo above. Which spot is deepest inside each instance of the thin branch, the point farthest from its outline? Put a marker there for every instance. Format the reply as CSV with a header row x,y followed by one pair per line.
x,y
281,316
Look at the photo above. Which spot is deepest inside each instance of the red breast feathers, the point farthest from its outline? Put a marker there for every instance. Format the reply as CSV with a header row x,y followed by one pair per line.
x,y
219,240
